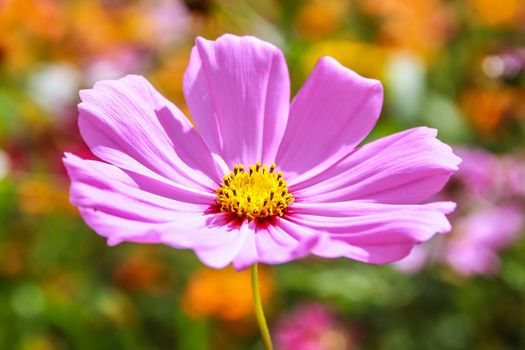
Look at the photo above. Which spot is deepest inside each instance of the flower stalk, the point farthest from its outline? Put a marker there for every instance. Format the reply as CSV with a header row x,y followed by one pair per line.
x,y
259,313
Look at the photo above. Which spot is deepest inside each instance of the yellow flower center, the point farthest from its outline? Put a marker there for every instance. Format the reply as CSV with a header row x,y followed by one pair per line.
x,y
256,194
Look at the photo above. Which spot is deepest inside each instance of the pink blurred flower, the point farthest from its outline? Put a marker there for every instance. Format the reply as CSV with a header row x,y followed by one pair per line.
x,y
507,64
115,64
170,20
165,181
311,326
484,233
488,176
478,174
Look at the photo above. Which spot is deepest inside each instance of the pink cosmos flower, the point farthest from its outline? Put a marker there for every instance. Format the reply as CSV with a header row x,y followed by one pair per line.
x,y
312,326
487,177
257,179
483,234
492,191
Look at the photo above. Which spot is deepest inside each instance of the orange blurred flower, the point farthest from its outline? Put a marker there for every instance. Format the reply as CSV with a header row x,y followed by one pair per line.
x,y
109,31
501,13
225,293
317,18
487,109
419,26
12,257
143,271
41,196
27,26
139,23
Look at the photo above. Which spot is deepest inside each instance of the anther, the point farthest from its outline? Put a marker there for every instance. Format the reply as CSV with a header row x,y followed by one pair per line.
x,y
256,193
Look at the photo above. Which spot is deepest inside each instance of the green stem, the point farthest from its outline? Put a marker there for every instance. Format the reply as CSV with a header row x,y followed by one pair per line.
x,y
259,313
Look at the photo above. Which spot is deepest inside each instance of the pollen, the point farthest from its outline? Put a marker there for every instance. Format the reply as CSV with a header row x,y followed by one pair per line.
x,y
257,193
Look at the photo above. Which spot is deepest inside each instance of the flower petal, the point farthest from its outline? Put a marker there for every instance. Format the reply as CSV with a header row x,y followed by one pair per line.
x,y
238,91
331,114
212,236
127,123
122,206
407,167
371,232
274,244
216,245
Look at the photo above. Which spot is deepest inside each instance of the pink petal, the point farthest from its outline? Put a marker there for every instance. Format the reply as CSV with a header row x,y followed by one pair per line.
x,y
325,247
216,243
332,113
238,91
274,244
127,123
213,237
371,232
124,206
407,167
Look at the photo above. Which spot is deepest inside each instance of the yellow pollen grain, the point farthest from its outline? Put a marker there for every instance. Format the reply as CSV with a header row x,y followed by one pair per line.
x,y
256,193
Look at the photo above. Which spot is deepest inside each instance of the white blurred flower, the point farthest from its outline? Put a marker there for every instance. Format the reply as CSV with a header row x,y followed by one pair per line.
x,y
405,75
5,164
54,86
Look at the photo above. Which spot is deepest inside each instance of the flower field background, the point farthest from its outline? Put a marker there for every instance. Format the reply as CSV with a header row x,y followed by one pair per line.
x,y
457,66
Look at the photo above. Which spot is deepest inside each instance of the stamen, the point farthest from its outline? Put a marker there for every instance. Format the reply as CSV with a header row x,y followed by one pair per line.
x,y
256,194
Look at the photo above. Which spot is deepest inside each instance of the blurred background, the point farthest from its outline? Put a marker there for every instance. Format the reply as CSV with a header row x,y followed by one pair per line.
x,y
458,66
